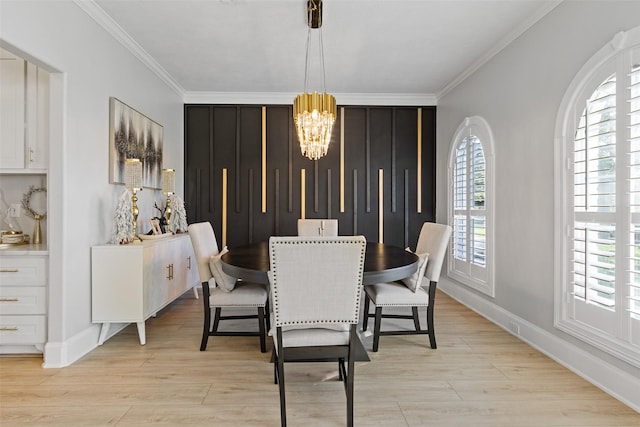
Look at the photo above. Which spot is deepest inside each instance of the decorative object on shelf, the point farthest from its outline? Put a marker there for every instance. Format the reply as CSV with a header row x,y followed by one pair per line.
x,y
133,181
314,113
13,238
154,236
162,221
155,226
168,188
178,221
26,204
132,135
123,220
6,213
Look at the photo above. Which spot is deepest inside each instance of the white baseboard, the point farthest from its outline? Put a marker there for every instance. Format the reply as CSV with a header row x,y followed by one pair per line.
x,y
611,379
61,354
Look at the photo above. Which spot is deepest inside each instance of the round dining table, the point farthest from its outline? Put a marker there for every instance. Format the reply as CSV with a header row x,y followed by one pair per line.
x,y
382,263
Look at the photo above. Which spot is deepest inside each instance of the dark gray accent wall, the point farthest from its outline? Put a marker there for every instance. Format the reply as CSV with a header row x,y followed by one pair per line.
x,y
230,136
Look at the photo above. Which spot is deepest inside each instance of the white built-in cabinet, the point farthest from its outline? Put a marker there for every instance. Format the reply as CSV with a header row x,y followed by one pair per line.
x,y
12,102
23,301
130,283
24,115
24,162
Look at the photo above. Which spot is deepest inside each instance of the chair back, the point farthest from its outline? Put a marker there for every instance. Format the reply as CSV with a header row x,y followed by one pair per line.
x,y
317,227
316,280
434,239
204,244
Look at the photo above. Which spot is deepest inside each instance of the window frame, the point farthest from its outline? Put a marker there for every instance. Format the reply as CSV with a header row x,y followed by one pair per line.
x,y
484,283
613,58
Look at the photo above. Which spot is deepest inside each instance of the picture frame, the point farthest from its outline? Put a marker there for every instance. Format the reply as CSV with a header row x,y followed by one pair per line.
x,y
132,135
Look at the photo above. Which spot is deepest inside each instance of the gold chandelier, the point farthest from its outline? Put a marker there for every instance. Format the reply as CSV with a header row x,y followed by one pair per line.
x,y
314,113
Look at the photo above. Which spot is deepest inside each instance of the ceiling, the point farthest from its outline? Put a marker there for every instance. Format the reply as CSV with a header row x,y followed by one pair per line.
x,y
398,47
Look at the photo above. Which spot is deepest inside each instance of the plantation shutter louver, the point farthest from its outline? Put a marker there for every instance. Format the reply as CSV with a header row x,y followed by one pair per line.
x,y
469,217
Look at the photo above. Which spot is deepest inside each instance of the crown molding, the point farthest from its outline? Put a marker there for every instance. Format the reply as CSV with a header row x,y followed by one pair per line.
x,y
504,42
91,8
387,99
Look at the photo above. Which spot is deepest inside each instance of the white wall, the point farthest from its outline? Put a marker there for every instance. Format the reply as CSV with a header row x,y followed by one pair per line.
x,y
519,92
91,66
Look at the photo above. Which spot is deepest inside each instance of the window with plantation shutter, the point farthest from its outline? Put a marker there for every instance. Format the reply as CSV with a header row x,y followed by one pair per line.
x,y
470,209
598,286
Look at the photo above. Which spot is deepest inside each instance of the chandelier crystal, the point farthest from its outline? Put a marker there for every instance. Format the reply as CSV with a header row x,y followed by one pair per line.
x,y
314,113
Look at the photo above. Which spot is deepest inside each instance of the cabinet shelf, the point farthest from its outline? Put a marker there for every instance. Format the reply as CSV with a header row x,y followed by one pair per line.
x,y
4,171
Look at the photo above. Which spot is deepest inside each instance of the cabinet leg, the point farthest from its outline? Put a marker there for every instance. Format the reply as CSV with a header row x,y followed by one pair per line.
x,y
103,333
141,333
195,292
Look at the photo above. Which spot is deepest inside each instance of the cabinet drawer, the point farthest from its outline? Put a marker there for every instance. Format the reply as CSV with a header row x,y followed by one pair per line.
x,y
23,271
22,329
23,300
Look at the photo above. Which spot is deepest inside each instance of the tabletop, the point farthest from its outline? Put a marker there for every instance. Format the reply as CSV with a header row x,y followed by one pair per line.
x,y
382,263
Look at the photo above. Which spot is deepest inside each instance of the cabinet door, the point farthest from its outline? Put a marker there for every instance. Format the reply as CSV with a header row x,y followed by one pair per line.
x,y
37,119
184,267
193,277
157,260
116,283
12,102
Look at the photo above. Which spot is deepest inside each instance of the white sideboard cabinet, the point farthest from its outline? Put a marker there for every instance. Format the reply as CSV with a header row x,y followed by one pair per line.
x,y
130,283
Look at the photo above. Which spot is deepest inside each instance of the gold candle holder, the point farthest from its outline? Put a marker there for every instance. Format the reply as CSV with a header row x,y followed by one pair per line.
x,y
133,181
168,188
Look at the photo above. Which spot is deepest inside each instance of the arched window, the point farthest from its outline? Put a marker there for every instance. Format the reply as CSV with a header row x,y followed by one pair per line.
x,y
598,199
470,205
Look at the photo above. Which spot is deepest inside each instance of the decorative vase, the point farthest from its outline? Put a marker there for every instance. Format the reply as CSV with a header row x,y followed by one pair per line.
x,y
37,233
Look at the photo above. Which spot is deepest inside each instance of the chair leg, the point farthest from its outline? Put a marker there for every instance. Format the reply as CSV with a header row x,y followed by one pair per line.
x,y
341,372
350,374
206,327
216,319
274,357
263,347
366,312
432,329
205,330
376,328
268,315
416,320
280,362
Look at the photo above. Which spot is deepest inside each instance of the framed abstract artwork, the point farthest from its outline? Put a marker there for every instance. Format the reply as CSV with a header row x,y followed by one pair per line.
x,y
132,135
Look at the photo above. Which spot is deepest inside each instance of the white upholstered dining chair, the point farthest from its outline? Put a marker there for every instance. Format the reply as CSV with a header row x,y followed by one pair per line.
x,y
317,227
220,290
316,284
412,292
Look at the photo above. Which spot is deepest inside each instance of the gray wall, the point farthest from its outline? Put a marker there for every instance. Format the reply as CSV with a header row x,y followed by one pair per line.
x,y
519,92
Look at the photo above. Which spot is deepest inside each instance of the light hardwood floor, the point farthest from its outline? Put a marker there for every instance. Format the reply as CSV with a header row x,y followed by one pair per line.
x,y
479,376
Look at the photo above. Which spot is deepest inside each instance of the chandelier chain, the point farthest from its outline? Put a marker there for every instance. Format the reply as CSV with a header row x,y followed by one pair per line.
x,y
306,61
321,46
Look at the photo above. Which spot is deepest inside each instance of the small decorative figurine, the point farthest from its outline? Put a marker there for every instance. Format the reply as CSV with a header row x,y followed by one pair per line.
x,y
178,220
123,220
